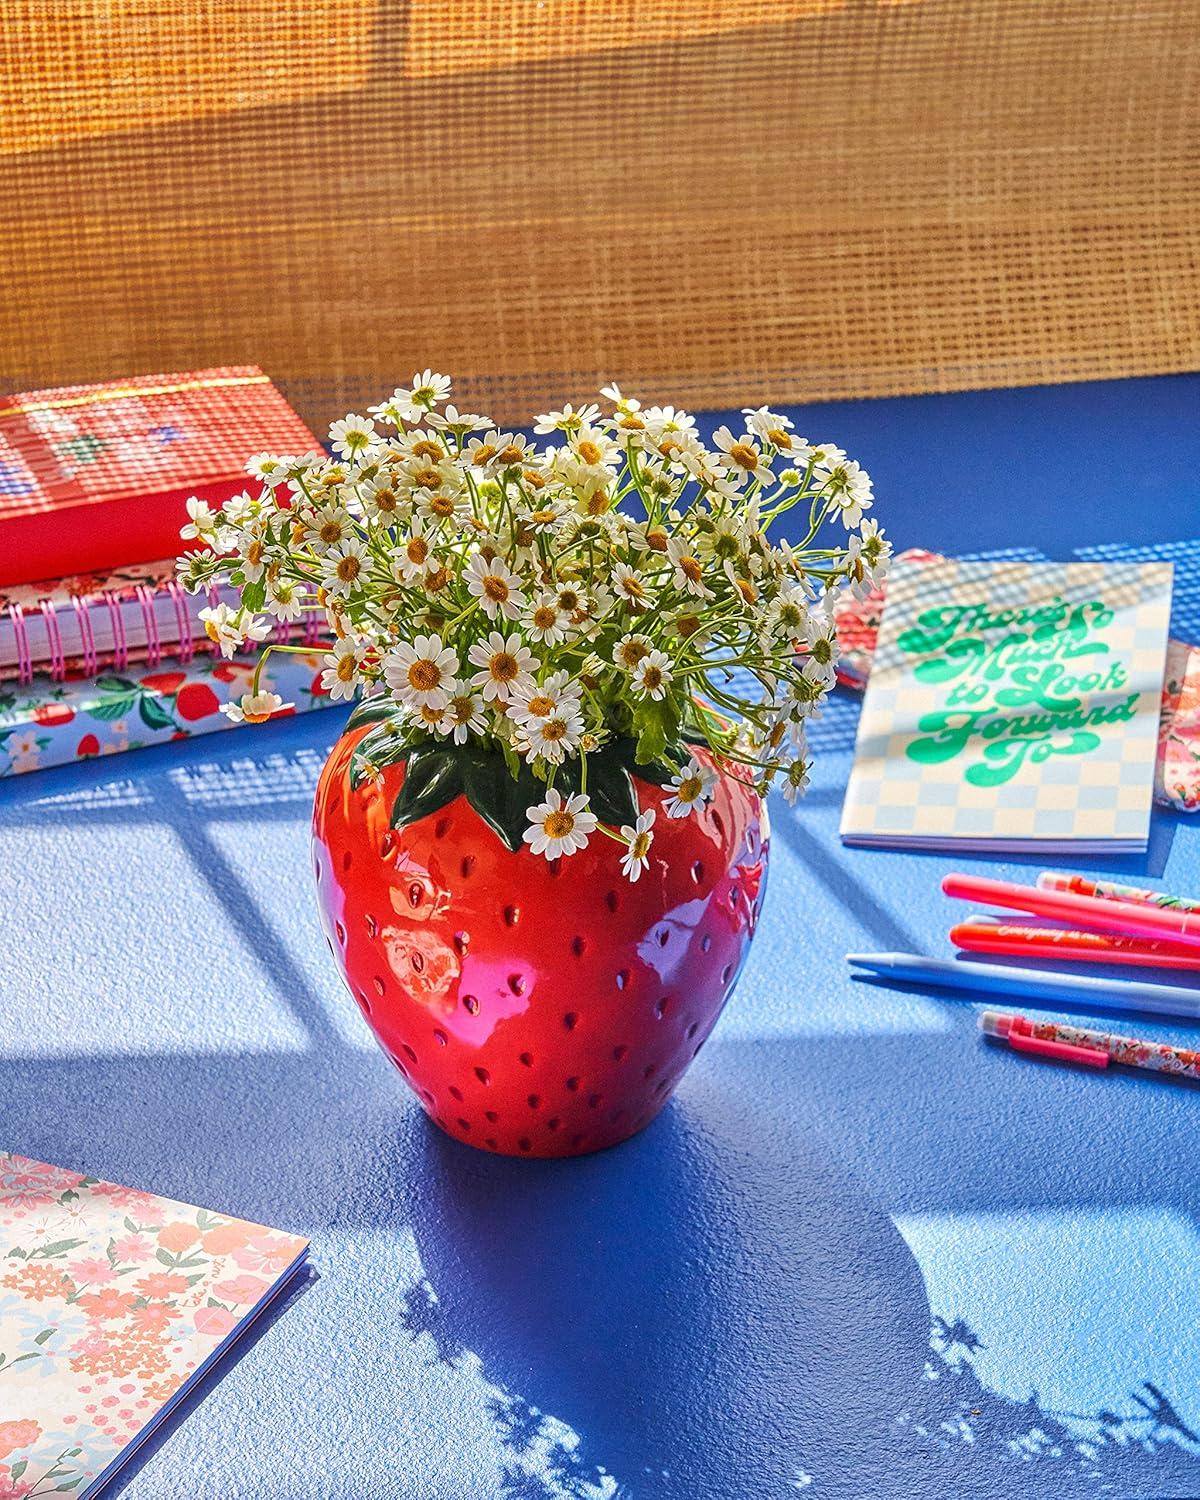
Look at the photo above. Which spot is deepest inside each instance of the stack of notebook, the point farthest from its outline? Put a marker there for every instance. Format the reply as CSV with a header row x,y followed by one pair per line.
x,y
103,651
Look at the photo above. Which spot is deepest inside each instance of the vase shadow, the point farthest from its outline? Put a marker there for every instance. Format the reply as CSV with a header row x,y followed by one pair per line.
x,y
627,1332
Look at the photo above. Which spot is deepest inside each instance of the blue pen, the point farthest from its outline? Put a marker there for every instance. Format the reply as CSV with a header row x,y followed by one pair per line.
x,y
1086,991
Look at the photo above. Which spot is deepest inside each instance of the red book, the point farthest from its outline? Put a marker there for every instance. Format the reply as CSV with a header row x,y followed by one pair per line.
x,y
94,477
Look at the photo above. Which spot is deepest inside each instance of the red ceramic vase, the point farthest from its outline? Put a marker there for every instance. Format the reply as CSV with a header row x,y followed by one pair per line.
x,y
539,1008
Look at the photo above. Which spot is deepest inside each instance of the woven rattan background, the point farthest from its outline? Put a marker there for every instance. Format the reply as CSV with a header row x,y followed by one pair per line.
x,y
706,199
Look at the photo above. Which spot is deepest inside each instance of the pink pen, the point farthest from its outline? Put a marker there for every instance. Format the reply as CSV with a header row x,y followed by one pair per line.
x,y
1081,911
1061,1042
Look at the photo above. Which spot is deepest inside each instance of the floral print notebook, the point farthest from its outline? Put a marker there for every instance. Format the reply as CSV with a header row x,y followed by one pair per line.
x,y
113,1304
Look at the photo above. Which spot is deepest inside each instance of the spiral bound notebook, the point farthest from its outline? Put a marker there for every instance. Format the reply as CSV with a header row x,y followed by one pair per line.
x,y
1012,706
114,1304
80,626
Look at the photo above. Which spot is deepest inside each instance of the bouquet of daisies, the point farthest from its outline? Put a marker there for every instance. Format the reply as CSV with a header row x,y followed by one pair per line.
x,y
533,621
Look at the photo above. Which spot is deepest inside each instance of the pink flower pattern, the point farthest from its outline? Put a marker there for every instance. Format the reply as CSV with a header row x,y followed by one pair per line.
x,y
126,1295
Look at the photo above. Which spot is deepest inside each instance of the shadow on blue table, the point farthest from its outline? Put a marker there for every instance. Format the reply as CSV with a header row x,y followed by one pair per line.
x,y
610,1292
718,1310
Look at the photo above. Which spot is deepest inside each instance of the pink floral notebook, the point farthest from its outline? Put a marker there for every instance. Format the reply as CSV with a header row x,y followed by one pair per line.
x,y
113,1305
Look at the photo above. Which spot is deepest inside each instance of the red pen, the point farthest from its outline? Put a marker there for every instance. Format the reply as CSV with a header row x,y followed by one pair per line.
x,y
1081,911
1113,890
1060,1042
1069,945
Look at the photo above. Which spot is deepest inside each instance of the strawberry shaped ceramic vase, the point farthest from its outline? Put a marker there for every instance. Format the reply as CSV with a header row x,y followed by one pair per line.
x,y
535,1007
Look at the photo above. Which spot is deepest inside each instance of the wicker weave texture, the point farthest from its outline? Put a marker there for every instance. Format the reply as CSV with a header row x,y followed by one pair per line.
x,y
708,200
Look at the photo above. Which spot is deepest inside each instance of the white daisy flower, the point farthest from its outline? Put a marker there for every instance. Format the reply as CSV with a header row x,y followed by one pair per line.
x,y
557,827
270,468
463,714
553,737
428,390
771,427
497,588
638,837
744,454
530,700
382,501
231,628
568,419
418,672
413,556
342,673
504,664
328,526
351,435
787,614
345,567
795,780
689,570
284,599
546,621
690,788
631,587
820,650
448,504
849,485
652,675
254,708
630,650
202,521
253,562
458,422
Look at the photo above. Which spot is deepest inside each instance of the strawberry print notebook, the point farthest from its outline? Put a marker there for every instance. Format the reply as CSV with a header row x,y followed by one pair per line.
x,y
113,1305
1012,706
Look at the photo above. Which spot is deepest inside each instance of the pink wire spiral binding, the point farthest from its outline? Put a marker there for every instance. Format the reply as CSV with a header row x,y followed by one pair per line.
x,y
82,608
58,660
120,644
24,658
145,598
186,646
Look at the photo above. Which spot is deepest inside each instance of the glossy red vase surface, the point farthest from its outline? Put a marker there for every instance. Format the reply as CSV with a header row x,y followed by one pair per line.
x,y
542,1008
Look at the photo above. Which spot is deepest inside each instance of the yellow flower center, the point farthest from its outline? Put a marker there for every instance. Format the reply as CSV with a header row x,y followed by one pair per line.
x,y
541,705
652,677
633,652
212,631
558,823
511,454
385,501
495,588
254,553
632,586
427,448
641,845
690,568
568,599
461,710
485,453
427,479
503,666
417,550
689,789
780,438
346,668
442,506
544,617
256,716
589,452
554,729
424,675
744,455
331,531
348,568
544,517
533,479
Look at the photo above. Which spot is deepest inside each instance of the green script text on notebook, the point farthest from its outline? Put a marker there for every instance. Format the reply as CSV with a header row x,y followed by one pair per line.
x,y
1012,706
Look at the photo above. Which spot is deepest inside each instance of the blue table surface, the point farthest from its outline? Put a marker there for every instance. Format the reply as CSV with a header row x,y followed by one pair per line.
x,y
860,1251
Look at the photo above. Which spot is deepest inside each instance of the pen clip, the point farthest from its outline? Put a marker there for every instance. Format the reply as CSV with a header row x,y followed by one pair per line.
x,y
1021,1039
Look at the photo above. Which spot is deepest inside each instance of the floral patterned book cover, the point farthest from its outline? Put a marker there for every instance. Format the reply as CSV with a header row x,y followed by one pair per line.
x,y
113,1304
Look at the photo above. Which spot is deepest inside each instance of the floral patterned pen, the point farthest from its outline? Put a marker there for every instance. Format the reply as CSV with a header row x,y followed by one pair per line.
x,y
1113,890
1094,1049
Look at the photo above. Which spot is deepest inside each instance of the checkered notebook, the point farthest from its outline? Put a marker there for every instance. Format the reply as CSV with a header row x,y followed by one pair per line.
x,y
1012,706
